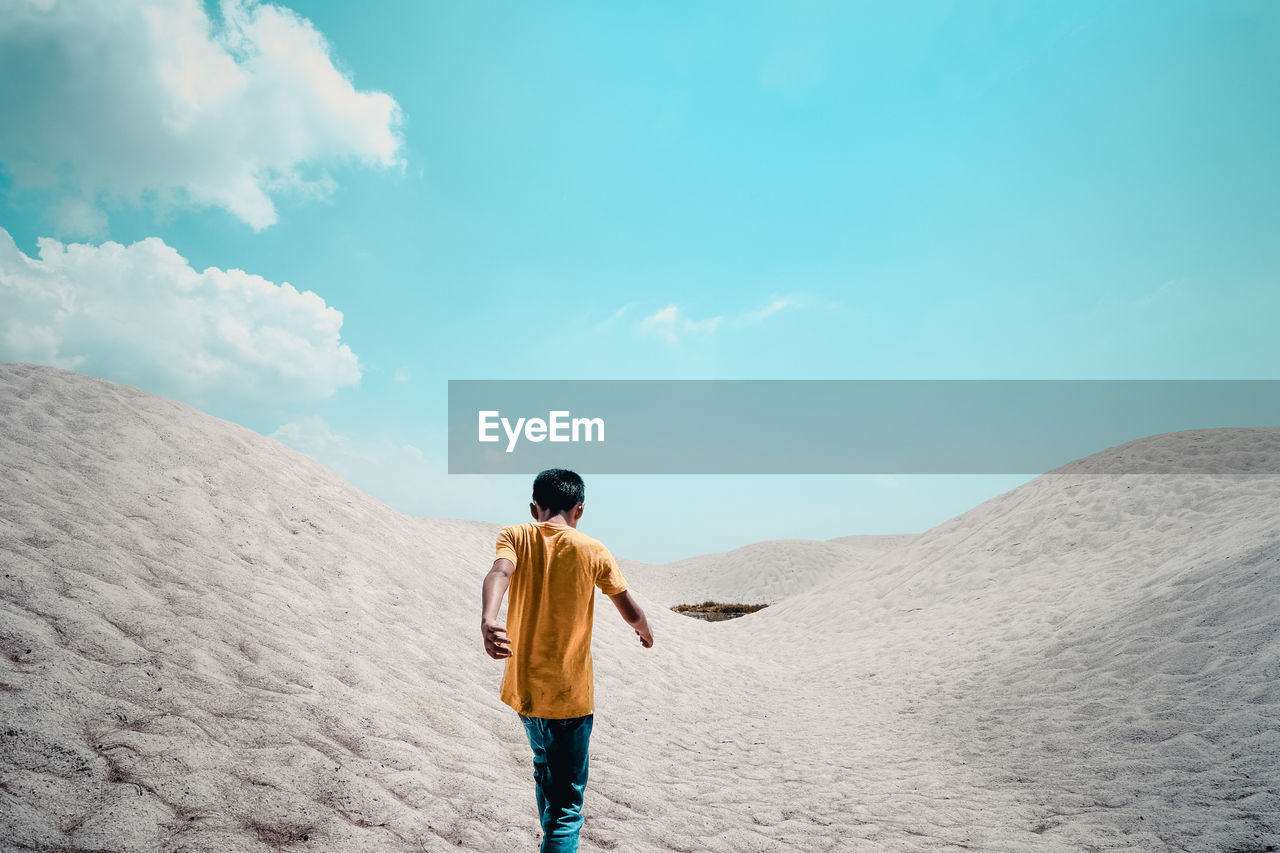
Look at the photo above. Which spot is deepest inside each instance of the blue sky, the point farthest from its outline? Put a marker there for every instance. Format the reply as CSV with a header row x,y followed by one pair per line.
x,y
685,190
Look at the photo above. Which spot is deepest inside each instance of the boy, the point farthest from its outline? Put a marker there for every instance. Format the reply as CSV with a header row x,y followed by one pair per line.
x,y
553,570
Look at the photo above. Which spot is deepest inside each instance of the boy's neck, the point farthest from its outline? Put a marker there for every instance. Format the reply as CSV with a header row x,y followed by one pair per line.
x,y
564,519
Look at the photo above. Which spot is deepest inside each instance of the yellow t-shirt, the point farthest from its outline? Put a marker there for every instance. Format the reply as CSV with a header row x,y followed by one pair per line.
x,y
550,605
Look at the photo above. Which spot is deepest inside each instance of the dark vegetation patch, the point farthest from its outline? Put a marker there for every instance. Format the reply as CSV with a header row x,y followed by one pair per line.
x,y
715,611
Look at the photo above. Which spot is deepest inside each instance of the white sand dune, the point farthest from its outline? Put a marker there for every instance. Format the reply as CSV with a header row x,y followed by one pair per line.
x,y
874,544
761,573
208,642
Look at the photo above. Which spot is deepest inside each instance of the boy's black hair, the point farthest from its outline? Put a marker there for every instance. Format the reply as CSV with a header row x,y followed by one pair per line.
x,y
558,489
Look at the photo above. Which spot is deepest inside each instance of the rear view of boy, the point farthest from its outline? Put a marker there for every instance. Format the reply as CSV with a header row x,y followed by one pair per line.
x,y
553,570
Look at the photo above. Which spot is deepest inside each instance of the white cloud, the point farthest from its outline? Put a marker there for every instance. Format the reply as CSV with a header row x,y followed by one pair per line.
x,y
140,314
311,435
615,316
398,474
72,215
143,100
670,324
769,310
402,375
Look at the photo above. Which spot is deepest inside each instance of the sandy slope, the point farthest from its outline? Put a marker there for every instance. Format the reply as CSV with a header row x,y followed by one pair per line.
x,y
208,642
874,544
762,573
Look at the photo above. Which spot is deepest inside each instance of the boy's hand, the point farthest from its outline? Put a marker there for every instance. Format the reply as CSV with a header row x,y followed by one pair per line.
x,y
645,635
496,643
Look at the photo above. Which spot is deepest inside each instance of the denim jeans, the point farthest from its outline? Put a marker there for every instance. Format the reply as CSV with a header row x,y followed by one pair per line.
x,y
560,771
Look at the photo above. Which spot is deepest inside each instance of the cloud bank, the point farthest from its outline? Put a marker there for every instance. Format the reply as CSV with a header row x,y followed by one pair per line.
x,y
154,101
141,315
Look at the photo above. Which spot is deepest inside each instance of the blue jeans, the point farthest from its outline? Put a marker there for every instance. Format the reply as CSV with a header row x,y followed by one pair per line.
x,y
560,770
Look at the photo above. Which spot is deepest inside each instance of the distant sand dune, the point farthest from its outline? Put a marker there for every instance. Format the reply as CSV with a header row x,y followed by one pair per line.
x,y
208,642
762,573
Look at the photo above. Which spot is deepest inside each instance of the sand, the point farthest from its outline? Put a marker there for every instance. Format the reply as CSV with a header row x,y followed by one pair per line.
x,y
209,642
761,573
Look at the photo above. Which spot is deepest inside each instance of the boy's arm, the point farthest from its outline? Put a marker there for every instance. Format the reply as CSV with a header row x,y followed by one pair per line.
x,y
496,643
633,616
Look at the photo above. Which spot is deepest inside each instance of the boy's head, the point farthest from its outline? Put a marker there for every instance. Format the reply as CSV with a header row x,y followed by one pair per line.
x,y
558,490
